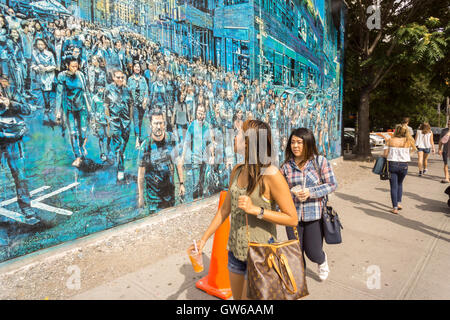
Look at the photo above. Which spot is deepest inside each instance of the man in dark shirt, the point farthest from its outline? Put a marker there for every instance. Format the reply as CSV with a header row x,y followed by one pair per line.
x,y
118,104
443,151
157,159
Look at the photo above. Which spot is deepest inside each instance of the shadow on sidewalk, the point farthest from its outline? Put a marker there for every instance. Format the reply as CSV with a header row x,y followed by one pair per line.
x,y
428,204
358,200
190,279
398,219
311,274
408,223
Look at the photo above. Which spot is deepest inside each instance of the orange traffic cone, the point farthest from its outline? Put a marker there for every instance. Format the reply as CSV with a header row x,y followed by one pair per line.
x,y
217,282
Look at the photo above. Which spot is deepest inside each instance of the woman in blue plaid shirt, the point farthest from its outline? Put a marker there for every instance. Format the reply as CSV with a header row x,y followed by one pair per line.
x,y
301,170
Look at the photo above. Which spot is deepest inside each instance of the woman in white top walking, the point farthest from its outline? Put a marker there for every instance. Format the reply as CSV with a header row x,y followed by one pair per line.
x,y
397,152
425,144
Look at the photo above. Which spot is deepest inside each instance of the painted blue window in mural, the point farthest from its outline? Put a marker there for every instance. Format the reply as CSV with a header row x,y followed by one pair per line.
x,y
240,56
233,2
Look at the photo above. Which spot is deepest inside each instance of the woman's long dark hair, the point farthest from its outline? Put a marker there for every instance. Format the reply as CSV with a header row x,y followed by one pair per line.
x,y
255,170
425,128
309,144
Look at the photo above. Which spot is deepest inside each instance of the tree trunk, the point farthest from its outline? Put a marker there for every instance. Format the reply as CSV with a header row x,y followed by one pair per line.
x,y
363,145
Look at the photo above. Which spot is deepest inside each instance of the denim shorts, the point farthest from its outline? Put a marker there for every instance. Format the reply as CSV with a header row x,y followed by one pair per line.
x,y
236,266
424,150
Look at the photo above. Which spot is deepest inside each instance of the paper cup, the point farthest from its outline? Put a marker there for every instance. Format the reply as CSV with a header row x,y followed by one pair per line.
x,y
296,189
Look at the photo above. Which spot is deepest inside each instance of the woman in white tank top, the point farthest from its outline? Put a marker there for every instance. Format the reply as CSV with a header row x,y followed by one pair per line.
x,y
397,152
425,144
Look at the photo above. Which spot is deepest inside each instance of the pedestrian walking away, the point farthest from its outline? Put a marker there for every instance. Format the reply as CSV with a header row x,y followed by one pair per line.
x,y
443,150
308,193
397,153
255,190
405,122
425,145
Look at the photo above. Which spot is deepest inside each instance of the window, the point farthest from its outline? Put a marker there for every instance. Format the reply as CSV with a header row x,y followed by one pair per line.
x,y
241,58
232,2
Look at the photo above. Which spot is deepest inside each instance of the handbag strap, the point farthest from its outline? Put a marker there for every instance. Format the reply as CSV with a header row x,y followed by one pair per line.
x,y
316,166
272,264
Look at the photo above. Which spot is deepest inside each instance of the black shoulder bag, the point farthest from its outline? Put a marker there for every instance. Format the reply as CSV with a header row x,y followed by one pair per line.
x,y
330,220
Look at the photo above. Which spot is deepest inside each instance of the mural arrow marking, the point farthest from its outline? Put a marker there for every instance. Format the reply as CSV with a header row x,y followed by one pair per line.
x,y
36,203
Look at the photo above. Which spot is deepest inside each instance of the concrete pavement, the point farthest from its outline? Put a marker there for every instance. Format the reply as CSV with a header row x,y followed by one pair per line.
x,y
383,256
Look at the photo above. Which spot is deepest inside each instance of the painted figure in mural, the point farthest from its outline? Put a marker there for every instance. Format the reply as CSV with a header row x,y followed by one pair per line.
x,y
97,74
13,21
158,95
76,53
170,99
158,158
198,152
117,56
226,115
241,103
17,60
73,108
139,92
12,130
43,66
118,106
190,102
71,41
181,117
55,46
104,49
99,122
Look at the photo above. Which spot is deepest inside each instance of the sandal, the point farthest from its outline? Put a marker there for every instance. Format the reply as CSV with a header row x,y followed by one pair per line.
x,y
445,181
394,211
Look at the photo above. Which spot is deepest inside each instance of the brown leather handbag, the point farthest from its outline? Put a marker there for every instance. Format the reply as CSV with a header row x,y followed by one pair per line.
x,y
275,271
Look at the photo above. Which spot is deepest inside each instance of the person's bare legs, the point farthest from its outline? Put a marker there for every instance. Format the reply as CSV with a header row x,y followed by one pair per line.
x,y
238,286
446,172
425,161
420,161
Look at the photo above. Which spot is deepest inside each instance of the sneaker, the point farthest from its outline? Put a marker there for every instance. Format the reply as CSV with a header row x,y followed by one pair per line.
x,y
425,171
120,175
324,270
420,173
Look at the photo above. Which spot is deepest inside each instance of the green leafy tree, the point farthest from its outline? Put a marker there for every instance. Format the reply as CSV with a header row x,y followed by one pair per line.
x,y
412,40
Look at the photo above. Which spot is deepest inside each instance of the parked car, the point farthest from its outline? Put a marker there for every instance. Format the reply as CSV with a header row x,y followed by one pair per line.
x,y
377,140
350,139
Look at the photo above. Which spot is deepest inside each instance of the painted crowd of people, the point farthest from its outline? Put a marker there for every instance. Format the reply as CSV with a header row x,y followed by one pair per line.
x,y
111,85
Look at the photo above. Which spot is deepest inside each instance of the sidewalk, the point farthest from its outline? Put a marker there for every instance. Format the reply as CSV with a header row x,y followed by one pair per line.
x,y
410,251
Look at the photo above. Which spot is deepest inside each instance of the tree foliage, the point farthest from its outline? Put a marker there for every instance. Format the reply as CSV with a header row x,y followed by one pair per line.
x,y
398,70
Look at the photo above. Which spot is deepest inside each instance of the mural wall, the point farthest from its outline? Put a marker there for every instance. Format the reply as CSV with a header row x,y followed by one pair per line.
x,y
111,110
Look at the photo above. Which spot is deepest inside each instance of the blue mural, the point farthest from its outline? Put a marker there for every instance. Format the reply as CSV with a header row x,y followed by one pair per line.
x,y
111,110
